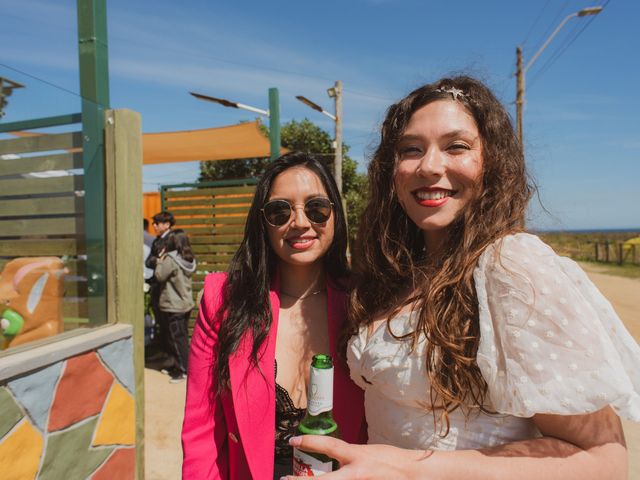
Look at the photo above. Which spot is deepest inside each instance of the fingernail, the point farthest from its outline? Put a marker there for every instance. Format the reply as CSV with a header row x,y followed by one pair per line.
x,y
294,441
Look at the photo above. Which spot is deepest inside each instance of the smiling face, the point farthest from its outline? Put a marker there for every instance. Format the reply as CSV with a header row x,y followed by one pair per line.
x,y
439,163
298,241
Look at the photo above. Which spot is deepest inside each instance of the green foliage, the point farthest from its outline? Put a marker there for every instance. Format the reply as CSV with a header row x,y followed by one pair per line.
x,y
303,136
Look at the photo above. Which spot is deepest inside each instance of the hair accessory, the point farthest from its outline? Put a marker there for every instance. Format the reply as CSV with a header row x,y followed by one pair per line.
x,y
456,93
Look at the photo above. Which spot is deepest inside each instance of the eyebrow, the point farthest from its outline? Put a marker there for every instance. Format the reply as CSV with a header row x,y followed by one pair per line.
x,y
307,198
453,133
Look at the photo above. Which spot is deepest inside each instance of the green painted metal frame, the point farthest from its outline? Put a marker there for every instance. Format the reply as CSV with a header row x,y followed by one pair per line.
x,y
274,123
94,89
216,183
44,122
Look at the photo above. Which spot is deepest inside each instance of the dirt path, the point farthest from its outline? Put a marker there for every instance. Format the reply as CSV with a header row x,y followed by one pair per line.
x,y
624,295
164,403
164,406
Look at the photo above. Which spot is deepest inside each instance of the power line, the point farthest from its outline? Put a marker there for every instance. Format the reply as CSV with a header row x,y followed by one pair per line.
x,y
535,22
552,25
66,90
563,47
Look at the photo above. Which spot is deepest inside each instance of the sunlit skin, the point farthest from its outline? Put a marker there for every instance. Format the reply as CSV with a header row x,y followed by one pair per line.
x,y
161,227
300,246
439,163
299,242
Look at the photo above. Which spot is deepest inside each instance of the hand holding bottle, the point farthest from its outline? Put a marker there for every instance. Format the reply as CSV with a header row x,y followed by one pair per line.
x,y
369,462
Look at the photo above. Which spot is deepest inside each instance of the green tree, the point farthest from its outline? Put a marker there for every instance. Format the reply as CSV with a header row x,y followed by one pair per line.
x,y
303,136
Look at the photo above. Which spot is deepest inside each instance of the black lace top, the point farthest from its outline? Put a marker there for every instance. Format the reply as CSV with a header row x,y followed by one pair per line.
x,y
287,419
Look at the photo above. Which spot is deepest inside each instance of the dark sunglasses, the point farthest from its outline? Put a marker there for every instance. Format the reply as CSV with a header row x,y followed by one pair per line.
x,y
278,212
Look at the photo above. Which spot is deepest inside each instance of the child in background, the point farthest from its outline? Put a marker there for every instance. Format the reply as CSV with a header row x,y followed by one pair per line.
x,y
173,272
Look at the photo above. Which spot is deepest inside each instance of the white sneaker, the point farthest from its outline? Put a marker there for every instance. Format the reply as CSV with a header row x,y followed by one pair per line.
x,y
180,377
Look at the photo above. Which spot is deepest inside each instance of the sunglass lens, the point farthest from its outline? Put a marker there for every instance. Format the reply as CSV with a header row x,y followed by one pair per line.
x,y
318,210
277,212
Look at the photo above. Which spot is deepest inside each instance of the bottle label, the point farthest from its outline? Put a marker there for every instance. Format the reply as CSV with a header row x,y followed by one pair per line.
x,y
320,391
304,465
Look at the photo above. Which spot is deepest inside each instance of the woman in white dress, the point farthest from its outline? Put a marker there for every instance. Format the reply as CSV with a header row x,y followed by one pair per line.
x,y
483,354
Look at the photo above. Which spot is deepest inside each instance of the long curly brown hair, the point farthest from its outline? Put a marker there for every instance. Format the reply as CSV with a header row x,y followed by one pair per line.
x,y
391,258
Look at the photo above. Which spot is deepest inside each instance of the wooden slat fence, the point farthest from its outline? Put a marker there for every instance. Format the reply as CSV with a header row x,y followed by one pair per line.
x,y
42,214
213,214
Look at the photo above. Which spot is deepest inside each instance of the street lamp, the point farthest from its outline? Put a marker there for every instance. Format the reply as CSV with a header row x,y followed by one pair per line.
x,y
273,114
334,92
520,71
6,89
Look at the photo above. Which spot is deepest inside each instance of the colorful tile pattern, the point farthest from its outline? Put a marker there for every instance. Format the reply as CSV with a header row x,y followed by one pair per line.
x,y
74,419
10,412
82,391
118,422
70,455
121,465
20,452
35,391
118,357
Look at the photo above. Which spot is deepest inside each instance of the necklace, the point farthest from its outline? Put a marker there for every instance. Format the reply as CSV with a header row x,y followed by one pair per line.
x,y
302,297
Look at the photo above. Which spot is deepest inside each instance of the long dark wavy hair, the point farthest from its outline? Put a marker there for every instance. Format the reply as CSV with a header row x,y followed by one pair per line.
x,y
245,307
391,256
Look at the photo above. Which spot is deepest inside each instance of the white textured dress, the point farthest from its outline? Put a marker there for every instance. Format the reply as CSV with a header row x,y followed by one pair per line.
x,y
549,343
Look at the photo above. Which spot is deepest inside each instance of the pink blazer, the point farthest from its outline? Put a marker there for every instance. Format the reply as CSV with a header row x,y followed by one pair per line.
x,y
232,436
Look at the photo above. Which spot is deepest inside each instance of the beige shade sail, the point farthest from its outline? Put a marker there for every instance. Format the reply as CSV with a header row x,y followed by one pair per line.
x,y
236,141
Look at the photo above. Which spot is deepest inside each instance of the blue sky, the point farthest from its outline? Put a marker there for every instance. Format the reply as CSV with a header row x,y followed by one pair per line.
x,y
582,117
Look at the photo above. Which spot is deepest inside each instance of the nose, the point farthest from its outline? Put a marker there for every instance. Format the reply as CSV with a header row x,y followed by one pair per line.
x,y
432,164
300,220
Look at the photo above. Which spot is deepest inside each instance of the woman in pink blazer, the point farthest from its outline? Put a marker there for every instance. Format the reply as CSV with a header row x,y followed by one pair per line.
x,y
282,301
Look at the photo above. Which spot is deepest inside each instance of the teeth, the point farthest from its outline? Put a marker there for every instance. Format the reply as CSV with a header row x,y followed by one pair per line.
x,y
437,195
300,240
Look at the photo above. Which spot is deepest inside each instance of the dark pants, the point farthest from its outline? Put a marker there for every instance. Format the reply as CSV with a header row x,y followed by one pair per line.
x,y
175,340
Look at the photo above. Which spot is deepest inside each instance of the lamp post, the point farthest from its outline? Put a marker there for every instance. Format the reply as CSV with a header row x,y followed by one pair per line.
x,y
521,71
334,92
6,89
273,114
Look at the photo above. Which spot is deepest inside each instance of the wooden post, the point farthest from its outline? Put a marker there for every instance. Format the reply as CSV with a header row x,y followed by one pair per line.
x,y
125,298
597,256
606,251
620,257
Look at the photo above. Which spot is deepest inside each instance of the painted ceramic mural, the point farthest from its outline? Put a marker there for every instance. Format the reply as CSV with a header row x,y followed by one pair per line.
x,y
31,291
72,420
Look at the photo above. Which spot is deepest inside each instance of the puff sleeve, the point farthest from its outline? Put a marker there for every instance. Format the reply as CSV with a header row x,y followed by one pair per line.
x,y
549,340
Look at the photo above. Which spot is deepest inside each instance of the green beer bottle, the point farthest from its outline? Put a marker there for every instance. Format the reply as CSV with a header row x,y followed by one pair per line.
x,y
318,419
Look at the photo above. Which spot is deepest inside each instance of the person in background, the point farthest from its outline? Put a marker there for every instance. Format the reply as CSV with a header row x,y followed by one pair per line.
x,y
173,272
149,321
282,300
163,222
148,238
483,354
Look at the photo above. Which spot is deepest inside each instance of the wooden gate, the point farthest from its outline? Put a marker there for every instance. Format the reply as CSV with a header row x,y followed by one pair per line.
x,y
213,214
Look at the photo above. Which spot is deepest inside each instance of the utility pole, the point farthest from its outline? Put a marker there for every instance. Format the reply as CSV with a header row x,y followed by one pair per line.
x,y
521,71
519,96
336,93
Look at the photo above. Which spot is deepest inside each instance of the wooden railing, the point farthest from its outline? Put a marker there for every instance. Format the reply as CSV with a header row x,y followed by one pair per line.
x,y
617,252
